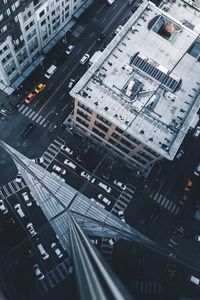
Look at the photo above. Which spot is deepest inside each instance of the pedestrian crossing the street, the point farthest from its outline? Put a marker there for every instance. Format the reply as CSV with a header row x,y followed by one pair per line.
x,y
33,115
148,287
56,275
166,203
11,188
52,151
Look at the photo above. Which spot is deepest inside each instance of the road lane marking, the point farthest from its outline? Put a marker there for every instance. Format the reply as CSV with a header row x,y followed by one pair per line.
x,y
102,21
76,65
92,34
62,96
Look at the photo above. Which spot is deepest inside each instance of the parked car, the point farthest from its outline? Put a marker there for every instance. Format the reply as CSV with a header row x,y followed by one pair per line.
x,y
119,28
97,203
3,208
85,175
39,160
94,241
38,272
19,210
69,164
112,241
69,49
28,130
194,279
110,2
18,178
71,83
59,169
29,98
27,199
120,184
179,154
67,149
105,187
197,237
42,251
188,185
31,229
104,199
40,88
84,59
57,250
196,132
197,170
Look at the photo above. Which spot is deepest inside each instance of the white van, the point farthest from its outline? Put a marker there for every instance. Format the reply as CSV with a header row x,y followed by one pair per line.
x,y
194,280
69,164
42,251
50,71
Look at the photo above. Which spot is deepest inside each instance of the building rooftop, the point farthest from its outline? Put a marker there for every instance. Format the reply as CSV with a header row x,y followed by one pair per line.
x,y
145,81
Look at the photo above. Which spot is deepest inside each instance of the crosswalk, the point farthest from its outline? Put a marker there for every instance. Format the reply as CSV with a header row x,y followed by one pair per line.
x,y
123,200
52,151
33,115
166,203
56,275
147,287
11,188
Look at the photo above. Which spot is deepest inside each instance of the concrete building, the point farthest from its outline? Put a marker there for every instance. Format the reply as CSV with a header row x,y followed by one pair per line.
x,y
26,27
141,95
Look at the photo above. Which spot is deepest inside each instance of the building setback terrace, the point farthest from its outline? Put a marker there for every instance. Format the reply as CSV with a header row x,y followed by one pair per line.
x,y
145,81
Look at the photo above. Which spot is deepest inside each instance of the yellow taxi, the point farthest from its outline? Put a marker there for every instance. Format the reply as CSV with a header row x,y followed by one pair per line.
x,y
40,87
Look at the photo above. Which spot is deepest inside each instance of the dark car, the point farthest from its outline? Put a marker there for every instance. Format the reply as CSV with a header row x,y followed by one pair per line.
x,y
101,37
28,130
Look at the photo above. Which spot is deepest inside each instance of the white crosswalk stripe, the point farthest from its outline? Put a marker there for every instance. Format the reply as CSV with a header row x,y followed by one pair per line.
x,y
11,188
33,115
165,202
51,152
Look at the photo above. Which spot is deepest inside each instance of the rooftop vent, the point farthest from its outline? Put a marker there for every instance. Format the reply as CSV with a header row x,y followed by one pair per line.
x,y
106,108
96,103
142,131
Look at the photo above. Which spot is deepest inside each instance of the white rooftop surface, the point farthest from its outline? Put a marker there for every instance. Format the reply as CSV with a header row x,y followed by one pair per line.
x,y
157,117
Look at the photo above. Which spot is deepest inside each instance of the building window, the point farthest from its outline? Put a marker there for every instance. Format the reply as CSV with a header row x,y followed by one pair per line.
x,y
113,142
82,122
101,126
41,13
84,107
116,136
103,120
126,143
122,148
119,130
151,151
132,138
43,22
83,115
98,132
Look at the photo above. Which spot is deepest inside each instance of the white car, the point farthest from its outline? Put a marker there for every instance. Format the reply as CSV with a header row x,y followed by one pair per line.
x,y
56,249
112,241
57,176
67,149
39,160
104,199
18,179
3,208
31,229
194,279
71,83
120,184
97,203
27,199
105,187
59,169
110,2
84,59
197,237
85,175
70,49
197,170
121,215
119,28
196,132
38,272
19,210
69,164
